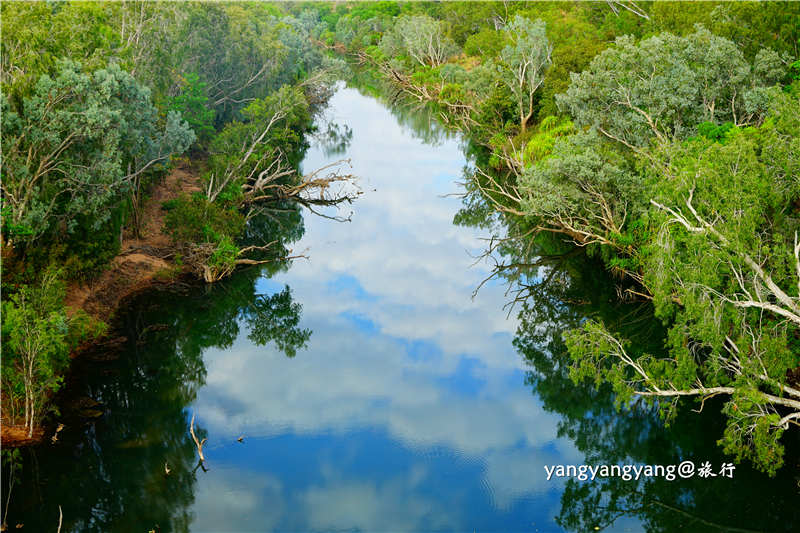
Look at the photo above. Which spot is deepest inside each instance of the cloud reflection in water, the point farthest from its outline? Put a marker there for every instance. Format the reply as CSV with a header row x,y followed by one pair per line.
x,y
408,411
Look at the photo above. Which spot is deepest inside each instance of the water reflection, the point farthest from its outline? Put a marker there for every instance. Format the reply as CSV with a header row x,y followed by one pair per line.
x,y
556,287
111,475
416,119
333,138
408,409
749,502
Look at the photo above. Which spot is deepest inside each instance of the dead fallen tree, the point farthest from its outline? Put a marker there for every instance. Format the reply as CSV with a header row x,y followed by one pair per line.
x,y
271,189
208,264
326,186
250,178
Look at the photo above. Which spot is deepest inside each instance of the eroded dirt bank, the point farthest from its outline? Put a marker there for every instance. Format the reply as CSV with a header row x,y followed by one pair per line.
x,y
141,260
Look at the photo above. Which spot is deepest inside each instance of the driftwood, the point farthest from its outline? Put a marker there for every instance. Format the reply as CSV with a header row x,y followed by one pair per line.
x,y
54,438
199,444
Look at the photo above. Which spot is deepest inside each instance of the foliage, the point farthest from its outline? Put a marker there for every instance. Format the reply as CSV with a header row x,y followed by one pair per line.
x,y
38,35
419,37
487,42
541,144
222,260
587,416
584,188
289,113
191,103
239,51
523,63
664,86
252,163
75,148
234,50
720,268
97,98
37,338
672,156
195,219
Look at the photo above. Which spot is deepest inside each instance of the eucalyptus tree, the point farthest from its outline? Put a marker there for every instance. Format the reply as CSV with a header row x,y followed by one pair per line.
x,y
78,145
37,338
420,37
682,175
633,97
235,51
37,35
584,189
524,62
663,87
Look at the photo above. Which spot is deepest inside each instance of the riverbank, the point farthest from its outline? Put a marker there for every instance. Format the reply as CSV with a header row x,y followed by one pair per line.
x,y
142,259
143,262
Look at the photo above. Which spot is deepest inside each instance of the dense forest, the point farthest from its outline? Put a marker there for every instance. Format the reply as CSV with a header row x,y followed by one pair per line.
x,y
662,140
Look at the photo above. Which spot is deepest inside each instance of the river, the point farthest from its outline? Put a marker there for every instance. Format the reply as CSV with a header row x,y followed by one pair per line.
x,y
365,389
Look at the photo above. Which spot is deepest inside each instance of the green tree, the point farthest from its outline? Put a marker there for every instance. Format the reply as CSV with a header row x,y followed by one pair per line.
x,y
38,35
37,339
486,43
664,86
421,38
242,52
191,103
246,147
584,189
77,146
524,62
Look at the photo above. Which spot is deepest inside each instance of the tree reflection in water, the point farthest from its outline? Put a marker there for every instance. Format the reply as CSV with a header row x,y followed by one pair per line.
x,y
111,475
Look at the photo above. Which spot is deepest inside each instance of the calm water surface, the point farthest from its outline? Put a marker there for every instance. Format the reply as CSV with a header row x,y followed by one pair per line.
x,y
410,407
408,410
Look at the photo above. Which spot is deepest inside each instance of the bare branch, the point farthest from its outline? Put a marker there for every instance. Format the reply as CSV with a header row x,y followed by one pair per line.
x,y
198,443
786,307
647,385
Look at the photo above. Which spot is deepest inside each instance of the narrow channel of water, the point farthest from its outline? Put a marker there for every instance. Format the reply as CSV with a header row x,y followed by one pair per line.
x,y
369,390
